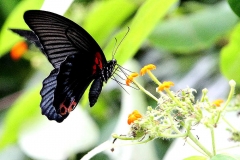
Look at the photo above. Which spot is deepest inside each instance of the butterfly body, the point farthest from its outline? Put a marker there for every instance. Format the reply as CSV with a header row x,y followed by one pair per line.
x,y
77,60
97,84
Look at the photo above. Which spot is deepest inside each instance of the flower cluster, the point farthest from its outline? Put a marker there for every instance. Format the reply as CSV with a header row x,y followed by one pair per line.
x,y
175,113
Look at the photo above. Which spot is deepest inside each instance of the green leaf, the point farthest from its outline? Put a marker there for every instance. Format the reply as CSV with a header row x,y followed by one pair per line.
x,y
194,32
145,20
15,20
235,5
102,20
224,157
230,56
196,158
24,108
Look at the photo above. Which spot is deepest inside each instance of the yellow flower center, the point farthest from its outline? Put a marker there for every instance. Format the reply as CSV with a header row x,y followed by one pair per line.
x,y
165,85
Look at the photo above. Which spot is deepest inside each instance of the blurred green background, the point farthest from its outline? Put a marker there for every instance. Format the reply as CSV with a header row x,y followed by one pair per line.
x,y
192,42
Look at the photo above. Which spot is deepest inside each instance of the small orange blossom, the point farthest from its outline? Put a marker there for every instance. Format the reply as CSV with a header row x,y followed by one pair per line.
x,y
134,116
130,78
217,102
147,68
18,50
165,85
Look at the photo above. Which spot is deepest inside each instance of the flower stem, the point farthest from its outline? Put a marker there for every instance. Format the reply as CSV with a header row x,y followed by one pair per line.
x,y
230,95
174,99
196,148
229,124
213,141
153,78
204,93
145,91
190,135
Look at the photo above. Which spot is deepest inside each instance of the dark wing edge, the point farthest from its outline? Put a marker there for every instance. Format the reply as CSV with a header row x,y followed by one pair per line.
x,y
47,93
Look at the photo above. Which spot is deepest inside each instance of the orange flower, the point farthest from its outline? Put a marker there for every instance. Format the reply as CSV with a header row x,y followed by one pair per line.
x,y
134,116
165,85
217,102
147,68
130,78
18,50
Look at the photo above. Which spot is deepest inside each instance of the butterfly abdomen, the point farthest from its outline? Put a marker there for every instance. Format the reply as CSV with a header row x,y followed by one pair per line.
x,y
95,91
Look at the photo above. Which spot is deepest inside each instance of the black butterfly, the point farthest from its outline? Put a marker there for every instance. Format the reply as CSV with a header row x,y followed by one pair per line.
x,y
76,57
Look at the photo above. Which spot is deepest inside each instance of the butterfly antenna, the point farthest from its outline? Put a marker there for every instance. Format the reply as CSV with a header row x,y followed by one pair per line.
x,y
113,52
122,69
120,42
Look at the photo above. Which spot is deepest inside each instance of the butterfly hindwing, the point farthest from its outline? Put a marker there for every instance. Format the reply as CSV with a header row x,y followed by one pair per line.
x,y
64,87
71,84
47,93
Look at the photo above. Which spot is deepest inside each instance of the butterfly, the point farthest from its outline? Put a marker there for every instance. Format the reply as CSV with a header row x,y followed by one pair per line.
x,y
76,58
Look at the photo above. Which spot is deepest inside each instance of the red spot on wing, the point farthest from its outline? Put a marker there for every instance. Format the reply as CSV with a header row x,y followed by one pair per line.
x,y
63,109
97,62
67,109
72,106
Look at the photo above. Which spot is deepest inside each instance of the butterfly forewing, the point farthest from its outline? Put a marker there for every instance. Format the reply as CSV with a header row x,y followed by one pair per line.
x,y
60,37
